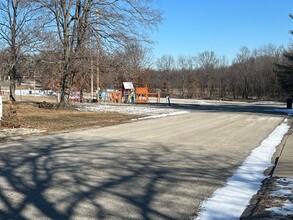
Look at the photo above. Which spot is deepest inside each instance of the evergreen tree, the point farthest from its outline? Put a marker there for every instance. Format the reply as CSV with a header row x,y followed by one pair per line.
x,y
285,73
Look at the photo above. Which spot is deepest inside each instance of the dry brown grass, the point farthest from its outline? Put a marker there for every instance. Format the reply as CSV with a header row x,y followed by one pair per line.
x,y
32,98
31,116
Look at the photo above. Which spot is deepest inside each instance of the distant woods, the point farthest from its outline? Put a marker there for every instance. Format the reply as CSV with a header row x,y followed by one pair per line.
x,y
66,45
251,75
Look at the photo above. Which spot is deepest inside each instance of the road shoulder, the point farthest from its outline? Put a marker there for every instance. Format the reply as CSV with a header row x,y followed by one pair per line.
x,y
274,200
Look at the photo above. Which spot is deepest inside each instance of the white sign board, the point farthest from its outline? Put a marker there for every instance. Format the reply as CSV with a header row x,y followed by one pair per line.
x,y
128,85
1,107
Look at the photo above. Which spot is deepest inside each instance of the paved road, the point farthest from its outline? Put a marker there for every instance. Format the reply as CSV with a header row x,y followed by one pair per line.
x,y
152,169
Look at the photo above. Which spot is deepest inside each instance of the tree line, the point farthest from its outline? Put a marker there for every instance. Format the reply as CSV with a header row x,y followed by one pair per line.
x,y
69,45
251,75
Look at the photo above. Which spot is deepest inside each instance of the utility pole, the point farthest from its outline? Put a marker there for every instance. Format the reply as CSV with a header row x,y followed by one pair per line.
x,y
92,46
92,79
34,83
98,51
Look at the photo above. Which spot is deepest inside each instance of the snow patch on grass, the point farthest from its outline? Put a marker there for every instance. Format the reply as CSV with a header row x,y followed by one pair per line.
x,y
283,191
285,210
149,112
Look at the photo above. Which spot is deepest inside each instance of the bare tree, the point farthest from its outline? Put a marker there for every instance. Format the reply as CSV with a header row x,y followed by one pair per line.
x,y
207,62
111,22
255,69
185,67
134,60
270,54
165,65
242,64
18,31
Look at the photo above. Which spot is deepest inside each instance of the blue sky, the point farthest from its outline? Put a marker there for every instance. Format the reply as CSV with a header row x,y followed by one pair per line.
x,y
223,26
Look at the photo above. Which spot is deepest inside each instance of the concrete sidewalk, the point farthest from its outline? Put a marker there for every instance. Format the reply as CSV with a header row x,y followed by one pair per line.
x,y
284,167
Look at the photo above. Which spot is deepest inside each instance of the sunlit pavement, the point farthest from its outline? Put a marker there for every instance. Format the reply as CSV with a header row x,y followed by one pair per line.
x,y
152,169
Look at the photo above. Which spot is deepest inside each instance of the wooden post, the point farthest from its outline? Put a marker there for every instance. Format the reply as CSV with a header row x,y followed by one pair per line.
x,y
159,97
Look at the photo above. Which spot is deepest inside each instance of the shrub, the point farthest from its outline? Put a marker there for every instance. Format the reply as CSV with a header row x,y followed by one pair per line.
x,y
10,118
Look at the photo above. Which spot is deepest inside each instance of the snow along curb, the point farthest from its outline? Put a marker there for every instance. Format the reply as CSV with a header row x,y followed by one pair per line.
x,y
230,201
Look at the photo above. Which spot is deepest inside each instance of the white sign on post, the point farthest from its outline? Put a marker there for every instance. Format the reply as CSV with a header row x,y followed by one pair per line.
x,y
1,107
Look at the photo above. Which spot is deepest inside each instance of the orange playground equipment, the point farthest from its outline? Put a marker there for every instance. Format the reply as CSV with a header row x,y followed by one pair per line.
x,y
142,95
115,96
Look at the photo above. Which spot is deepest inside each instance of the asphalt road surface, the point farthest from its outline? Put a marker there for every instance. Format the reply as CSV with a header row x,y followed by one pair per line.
x,y
150,169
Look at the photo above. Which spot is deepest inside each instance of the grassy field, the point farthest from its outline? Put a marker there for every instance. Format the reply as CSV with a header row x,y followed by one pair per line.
x,y
32,98
29,115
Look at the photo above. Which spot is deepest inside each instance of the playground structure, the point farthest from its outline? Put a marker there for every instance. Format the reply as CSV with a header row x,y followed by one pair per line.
x,y
143,94
157,94
128,94
113,96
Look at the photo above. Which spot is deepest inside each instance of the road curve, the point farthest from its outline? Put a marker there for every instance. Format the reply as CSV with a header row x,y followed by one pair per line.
x,y
151,169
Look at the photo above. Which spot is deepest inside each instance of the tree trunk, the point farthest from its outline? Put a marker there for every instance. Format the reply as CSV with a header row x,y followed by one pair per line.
x,y
12,84
12,90
66,84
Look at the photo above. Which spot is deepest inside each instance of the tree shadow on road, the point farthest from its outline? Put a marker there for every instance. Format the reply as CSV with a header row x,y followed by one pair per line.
x,y
54,178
